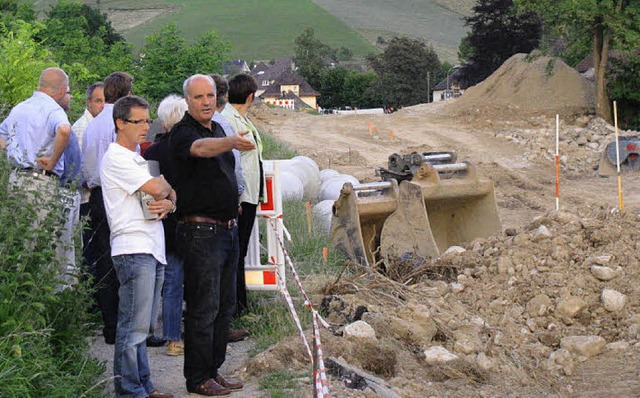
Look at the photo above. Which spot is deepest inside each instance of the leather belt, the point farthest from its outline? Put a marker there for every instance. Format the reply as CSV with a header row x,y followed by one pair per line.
x,y
208,220
33,171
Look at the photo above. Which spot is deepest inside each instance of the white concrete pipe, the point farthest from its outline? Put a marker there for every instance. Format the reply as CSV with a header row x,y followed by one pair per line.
x,y
307,171
290,186
330,189
325,174
321,213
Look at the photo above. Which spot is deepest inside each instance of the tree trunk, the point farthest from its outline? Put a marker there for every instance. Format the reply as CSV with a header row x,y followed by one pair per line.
x,y
600,59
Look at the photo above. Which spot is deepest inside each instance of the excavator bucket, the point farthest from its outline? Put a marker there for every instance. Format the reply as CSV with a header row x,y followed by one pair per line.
x,y
628,152
425,216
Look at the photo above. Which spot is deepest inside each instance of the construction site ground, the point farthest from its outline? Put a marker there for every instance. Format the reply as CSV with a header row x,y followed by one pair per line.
x,y
511,305
525,190
514,308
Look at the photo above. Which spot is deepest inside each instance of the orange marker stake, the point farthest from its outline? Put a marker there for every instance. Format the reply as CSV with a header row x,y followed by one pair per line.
x,y
615,118
308,205
325,255
392,135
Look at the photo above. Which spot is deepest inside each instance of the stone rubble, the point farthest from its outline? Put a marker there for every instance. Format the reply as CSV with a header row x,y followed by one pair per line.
x,y
580,148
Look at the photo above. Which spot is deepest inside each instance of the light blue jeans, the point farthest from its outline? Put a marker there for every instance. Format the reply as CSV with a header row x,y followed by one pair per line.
x,y
140,277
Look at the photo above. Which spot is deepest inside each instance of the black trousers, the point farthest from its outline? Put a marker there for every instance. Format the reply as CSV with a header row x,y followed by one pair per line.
x,y
210,259
98,253
245,225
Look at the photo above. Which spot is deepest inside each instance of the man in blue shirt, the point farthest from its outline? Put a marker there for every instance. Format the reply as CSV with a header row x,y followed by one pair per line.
x,y
36,134
37,130
101,132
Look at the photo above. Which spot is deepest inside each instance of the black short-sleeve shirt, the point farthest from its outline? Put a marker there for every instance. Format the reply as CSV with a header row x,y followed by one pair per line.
x,y
205,186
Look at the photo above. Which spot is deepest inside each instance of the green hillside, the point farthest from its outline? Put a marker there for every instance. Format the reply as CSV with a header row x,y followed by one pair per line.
x,y
257,29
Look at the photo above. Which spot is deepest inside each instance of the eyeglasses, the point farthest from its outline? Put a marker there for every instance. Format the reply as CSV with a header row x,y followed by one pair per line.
x,y
139,121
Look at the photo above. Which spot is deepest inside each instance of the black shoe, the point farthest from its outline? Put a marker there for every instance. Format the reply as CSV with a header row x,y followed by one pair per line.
x,y
153,341
110,340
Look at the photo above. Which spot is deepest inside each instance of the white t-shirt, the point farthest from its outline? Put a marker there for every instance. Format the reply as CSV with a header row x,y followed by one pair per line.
x,y
122,173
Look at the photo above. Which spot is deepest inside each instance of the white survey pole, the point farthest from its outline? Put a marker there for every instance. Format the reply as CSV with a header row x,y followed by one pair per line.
x,y
557,162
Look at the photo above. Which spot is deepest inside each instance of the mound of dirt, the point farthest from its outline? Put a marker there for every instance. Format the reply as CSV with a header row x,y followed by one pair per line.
x,y
518,312
529,84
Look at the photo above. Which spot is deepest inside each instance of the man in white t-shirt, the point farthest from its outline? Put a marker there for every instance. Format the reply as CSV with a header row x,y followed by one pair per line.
x,y
137,244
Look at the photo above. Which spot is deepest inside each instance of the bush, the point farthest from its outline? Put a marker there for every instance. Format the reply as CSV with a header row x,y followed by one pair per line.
x,y
43,328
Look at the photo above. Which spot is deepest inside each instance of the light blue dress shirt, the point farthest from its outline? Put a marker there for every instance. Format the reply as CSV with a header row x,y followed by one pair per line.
x,y
229,131
30,130
100,132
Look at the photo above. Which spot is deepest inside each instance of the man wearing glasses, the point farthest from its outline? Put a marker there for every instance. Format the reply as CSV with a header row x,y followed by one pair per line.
x,y
137,244
100,133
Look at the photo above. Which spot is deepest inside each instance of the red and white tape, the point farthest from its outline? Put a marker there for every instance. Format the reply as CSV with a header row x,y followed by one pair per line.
x,y
321,387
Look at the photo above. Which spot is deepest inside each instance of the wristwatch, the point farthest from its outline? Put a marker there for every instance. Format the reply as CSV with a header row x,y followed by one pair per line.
x,y
175,207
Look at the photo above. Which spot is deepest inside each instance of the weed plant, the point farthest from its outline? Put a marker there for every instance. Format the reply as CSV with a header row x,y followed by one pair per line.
x,y
275,149
43,328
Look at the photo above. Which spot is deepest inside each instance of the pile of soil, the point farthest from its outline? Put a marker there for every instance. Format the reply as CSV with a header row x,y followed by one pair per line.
x,y
529,84
516,312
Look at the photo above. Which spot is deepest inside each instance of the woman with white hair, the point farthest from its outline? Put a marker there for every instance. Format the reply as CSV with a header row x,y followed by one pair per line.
x,y
170,111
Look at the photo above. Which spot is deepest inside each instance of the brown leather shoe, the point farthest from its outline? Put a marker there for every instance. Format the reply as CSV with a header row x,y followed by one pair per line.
x,y
230,384
211,389
237,335
155,393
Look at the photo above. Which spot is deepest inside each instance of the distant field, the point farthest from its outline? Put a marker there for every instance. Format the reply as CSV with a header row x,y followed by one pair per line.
x,y
266,29
257,29
438,22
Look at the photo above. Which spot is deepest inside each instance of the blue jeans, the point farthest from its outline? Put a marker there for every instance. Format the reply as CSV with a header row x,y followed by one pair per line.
x,y
172,296
210,255
140,277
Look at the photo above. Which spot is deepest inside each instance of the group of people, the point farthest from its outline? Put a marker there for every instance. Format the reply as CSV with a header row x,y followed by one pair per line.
x,y
203,206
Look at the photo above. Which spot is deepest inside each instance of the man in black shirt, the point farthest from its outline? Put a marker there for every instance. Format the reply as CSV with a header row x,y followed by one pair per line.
x,y
207,234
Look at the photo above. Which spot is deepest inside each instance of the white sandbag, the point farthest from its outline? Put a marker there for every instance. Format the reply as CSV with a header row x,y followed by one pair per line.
x,y
290,186
321,213
330,189
325,174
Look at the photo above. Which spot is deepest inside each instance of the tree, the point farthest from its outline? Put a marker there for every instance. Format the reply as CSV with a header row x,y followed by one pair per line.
x,y
402,71
310,56
95,21
22,60
497,33
166,60
610,23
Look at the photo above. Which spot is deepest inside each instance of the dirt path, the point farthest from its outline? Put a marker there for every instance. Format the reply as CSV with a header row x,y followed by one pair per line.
x,y
166,371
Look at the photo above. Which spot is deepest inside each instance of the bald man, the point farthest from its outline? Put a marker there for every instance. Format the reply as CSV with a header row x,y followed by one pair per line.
x,y
36,134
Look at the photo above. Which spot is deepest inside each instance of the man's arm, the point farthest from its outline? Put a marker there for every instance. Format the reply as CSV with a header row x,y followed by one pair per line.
x,y
157,187
210,147
164,206
59,145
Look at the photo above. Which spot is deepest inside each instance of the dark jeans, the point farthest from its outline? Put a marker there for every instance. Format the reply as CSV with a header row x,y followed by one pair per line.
x,y
210,259
98,254
245,225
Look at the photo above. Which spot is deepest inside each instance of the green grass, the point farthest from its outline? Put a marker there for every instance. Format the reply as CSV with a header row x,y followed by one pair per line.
x,y
257,29
274,149
281,384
